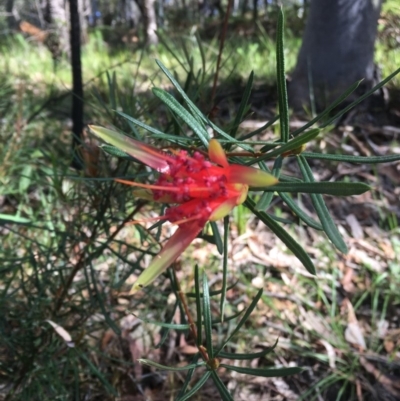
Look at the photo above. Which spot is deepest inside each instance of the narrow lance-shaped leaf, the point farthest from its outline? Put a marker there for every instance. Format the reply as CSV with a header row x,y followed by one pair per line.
x,y
337,188
352,159
301,214
281,79
263,372
199,384
266,197
243,104
207,317
242,321
320,207
283,235
223,391
175,106
293,144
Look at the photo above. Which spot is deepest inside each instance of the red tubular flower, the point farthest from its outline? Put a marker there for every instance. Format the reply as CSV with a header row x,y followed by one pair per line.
x,y
203,190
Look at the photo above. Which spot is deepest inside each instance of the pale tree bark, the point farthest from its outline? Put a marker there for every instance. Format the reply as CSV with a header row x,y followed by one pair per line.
x,y
57,16
148,11
337,50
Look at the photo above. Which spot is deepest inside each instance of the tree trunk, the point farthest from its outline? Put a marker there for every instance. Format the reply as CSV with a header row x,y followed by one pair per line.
x,y
77,86
337,50
11,19
58,38
148,12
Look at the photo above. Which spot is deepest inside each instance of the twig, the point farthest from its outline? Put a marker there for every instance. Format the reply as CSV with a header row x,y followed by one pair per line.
x,y
192,325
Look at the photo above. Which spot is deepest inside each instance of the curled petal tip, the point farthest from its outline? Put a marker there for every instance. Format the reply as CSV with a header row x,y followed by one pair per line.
x,y
217,154
250,176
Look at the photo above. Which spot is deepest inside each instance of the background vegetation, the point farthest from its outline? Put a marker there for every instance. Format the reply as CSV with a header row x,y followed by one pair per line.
x,y
68,257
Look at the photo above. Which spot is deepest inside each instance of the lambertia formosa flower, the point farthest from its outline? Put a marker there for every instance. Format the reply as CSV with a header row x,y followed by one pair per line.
x,y
202,190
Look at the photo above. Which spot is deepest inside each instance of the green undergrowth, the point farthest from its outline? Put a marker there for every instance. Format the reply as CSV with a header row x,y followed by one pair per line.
x,y
68,256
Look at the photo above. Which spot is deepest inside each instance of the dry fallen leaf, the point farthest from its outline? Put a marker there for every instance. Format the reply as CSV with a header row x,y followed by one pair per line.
x,y
62,333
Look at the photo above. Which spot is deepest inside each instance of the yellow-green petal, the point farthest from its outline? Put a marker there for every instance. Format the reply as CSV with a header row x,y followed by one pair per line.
x,y
145,153
182,238
217,154
250,176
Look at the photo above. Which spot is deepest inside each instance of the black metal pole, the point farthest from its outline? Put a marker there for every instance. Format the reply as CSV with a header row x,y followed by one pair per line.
x,y
77,86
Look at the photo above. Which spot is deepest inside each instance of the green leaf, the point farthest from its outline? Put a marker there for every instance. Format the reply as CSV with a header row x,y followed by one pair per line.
x,y
212,293
176,107
322,211
110,389
301,214
223,391
263,372
361,98
326,112
266,197
8,218
198,305
173,326
224,268
281,79
293,144
148,362
207,317
243,105
25,179
165,333
353,159
188,379
196,387
283,235
196,112
242,321
259,130
140,124
248,356
339,188
217,237
113,151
